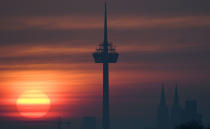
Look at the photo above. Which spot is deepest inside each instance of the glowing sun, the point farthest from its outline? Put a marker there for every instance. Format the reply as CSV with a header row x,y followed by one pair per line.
x,y
33,104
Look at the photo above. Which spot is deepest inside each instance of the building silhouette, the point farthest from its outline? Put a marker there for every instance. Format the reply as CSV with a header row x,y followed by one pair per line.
x,y
163,115
105,54
178,114
89,123
190,112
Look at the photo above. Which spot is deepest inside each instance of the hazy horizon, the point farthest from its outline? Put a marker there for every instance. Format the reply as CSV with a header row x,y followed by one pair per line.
x,y
47,45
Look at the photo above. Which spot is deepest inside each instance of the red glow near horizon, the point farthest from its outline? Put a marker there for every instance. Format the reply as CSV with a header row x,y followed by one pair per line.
x,y
65,90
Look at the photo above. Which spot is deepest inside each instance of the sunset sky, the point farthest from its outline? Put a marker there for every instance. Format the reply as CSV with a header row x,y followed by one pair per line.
x,y
47,45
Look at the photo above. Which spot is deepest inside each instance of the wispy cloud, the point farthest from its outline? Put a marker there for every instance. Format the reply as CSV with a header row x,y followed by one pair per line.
x,y
96,22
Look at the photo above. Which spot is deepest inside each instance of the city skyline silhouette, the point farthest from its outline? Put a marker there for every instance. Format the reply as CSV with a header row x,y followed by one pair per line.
x,y
54,76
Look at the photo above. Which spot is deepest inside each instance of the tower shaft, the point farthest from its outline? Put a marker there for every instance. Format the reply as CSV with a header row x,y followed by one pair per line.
x,y
106,123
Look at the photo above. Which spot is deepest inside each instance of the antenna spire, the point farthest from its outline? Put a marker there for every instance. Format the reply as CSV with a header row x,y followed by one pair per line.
x,y
105,25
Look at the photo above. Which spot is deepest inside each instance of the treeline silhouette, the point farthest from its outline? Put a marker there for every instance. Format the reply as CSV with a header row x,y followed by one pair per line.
x,y
192,125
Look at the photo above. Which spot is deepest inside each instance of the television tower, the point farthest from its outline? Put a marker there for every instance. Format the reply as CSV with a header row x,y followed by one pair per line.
x,y
105,53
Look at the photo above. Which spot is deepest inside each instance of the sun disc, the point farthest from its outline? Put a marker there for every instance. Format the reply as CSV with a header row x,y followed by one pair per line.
x,y
33,104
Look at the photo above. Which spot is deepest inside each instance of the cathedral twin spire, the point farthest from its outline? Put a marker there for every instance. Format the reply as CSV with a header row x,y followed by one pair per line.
x,y
163,114
177,115
163,99
176,96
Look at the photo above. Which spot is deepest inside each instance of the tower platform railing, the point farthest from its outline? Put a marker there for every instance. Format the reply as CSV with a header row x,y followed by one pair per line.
x,y
101,57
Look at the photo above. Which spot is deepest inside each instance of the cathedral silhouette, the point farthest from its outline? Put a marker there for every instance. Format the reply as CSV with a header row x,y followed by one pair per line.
x,y
178,115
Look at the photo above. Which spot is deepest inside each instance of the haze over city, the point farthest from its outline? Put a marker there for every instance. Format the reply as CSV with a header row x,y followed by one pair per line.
x,y
46,51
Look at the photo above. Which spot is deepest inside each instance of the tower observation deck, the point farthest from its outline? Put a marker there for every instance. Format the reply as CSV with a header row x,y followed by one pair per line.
x,y
105,54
